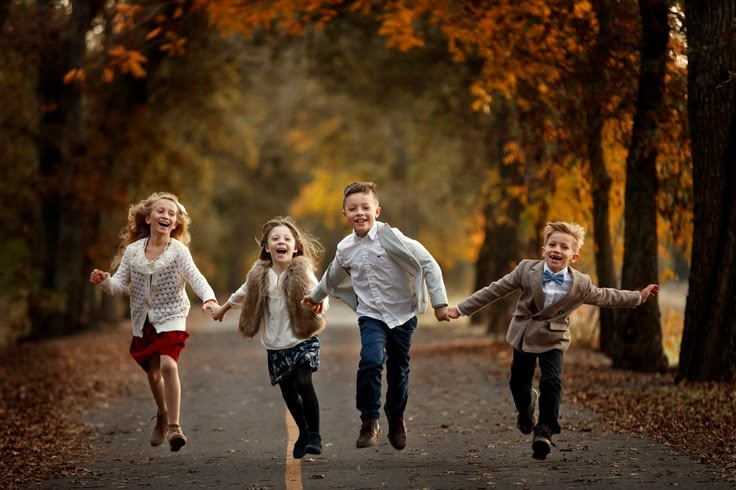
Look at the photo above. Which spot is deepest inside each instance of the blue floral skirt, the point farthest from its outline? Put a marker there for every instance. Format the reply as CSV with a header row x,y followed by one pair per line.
x,y
284,361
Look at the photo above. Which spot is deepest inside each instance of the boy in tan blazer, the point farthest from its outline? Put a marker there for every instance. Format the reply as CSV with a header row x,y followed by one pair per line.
x,y
550,291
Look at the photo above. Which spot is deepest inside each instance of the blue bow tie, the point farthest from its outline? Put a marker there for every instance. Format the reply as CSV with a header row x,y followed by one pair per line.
x,y
548,276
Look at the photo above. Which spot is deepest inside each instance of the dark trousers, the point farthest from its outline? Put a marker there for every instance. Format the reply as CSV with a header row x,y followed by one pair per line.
x,y
379,345
550,385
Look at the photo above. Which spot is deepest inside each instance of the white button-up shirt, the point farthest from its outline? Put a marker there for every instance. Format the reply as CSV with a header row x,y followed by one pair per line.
x,y
383,288
554,292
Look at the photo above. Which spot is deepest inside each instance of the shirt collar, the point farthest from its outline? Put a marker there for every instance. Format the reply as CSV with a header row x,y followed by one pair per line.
x,y
564,271
371,233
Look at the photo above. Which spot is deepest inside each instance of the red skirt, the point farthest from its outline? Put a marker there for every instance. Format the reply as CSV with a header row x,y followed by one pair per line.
x,y
142,349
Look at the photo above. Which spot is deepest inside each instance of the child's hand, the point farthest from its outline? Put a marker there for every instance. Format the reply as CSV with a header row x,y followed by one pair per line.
x,y
650,290
441,314
219,313
209,305
453,313
97,276
309,303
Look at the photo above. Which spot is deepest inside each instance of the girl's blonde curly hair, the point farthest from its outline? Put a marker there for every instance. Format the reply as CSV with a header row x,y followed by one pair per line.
x,y
137,227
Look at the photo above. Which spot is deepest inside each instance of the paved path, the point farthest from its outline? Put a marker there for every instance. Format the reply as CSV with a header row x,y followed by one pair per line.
x,y
461,428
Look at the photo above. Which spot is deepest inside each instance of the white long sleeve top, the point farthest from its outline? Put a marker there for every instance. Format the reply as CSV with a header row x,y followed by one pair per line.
x,y
157,287
277,332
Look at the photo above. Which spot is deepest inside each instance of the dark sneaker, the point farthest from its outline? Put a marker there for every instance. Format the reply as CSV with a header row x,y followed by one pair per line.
x,y
542,442
176,437
525,421
369,432
314,443
300,447
159,432
396,431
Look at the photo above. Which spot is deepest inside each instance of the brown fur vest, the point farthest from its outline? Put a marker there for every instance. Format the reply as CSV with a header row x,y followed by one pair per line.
x,y
296,284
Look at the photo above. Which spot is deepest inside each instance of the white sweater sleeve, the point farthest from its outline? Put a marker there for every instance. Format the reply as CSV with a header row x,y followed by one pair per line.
x,y
117,283
236,299
194,277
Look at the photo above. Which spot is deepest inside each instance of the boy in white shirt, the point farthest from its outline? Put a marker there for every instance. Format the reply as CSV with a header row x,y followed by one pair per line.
x,y
381,274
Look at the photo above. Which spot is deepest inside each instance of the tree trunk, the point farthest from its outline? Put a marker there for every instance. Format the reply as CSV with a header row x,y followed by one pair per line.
x,y
594,87
638,340
58,307
708,349
500,251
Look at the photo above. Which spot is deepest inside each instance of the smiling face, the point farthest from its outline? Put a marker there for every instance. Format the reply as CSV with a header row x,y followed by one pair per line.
x,y
361,210
281,245
559,251
163,217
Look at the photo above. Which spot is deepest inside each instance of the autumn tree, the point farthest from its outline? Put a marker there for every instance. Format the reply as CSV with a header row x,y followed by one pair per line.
x,y
708,350
637,342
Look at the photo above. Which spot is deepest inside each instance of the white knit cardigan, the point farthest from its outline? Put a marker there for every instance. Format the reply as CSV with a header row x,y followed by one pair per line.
x,y
157,287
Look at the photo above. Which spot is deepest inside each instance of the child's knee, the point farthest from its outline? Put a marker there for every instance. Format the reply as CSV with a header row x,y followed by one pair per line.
x,y
370,362
168,366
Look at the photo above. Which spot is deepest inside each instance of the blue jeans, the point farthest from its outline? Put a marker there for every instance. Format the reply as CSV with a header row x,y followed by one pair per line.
x,y
550,384
379,345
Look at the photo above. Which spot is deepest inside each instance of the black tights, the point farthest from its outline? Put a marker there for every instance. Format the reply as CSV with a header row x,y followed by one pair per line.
x,y
300,398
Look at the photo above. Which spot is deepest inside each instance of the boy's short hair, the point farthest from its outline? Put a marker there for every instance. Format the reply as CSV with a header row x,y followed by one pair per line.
x,y
573,229
359,188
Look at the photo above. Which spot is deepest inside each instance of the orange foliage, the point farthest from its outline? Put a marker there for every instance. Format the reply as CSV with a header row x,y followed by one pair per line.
x,y
535,53
127,61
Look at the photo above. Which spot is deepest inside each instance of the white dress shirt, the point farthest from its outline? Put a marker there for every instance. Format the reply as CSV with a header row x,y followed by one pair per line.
x,y
554,292
383,288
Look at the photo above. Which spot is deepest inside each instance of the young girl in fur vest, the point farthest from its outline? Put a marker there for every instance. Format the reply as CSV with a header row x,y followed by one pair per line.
x,y
153,267
270,300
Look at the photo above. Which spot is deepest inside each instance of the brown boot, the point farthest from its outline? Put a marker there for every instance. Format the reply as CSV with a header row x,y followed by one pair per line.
x,y
369,432
159,432
176,437
396,431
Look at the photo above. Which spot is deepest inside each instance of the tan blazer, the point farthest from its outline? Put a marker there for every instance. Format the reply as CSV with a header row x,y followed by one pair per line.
x,y
534,328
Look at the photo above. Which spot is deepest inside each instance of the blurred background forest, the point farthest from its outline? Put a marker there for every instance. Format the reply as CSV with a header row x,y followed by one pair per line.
x,y
480,122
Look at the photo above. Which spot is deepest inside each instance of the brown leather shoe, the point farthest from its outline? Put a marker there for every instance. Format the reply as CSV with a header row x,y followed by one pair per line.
x,y
175,436
159,432
396,431
369,432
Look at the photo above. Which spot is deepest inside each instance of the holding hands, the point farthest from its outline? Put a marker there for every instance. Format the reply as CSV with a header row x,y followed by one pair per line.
x,y
453,313
307,302
209,305
442,314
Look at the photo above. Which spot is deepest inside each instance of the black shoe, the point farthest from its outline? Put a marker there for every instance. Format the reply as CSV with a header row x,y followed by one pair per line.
x,y
525,421
314,443
369,432
396,431
542,442
300,447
